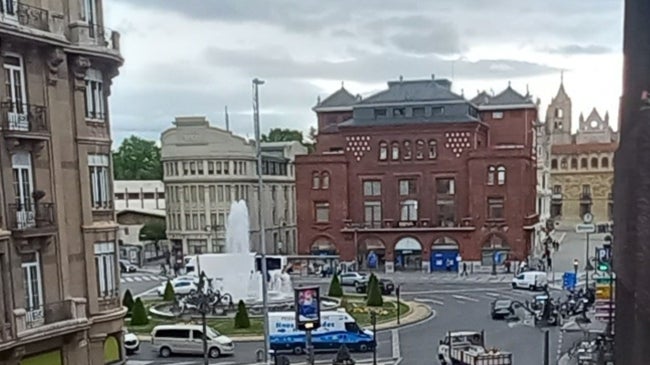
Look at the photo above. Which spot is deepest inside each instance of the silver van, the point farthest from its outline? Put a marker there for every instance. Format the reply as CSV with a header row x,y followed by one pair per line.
x,y
188,339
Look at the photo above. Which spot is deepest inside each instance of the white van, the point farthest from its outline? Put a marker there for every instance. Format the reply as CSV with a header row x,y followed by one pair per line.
x,y
188,339
532,280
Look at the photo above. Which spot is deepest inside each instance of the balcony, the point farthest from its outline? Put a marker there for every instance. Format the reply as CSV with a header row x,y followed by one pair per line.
x,y
423,224
23,120
31,220
17,12
556,196
94,35
51,319
585,197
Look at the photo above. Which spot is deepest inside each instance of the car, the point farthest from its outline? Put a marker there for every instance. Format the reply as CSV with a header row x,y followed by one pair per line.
x,y
187,339
385,285
131,343
182,287
501,309
353,278
126,266
531,280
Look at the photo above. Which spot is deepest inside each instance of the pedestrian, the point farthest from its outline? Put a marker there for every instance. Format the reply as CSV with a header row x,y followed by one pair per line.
x,y
163,269
465,273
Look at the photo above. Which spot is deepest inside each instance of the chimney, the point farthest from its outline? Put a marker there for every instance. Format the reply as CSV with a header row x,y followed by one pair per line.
x,y
433,76
401,78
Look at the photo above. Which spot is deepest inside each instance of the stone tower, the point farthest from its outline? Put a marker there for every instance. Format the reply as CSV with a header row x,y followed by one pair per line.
x,y
558,117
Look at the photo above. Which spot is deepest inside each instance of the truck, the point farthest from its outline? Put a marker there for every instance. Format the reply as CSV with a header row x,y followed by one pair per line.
x,y
468,348
337,328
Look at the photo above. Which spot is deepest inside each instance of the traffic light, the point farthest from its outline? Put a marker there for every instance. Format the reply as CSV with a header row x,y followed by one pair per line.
x,y
604,256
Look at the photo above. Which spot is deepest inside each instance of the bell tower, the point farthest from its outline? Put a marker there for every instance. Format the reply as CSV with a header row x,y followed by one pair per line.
x,y
558,116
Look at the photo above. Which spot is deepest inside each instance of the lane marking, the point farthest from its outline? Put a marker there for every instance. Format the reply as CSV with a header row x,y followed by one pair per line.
x,y
396,349
429,300
462,297
495,295
137,278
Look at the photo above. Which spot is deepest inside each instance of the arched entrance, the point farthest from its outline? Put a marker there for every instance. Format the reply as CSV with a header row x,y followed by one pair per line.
x,y
408,254
323,246
444,251
371,253
495,250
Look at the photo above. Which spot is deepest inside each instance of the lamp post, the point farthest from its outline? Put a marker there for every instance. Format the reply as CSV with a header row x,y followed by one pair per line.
x,y
610,309
373,321
260,200
575,268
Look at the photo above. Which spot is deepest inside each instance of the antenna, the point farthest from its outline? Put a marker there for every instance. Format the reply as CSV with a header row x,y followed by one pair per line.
x,y
561,77
227,119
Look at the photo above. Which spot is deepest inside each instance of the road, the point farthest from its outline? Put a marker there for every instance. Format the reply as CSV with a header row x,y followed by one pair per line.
x,y
140,282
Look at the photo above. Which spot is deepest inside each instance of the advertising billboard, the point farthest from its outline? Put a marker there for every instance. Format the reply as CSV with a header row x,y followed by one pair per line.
x,y
307,306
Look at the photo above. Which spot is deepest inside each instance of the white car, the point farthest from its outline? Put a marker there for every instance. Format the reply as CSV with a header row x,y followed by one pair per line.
x,y
182,287
353,278
131,343
531,280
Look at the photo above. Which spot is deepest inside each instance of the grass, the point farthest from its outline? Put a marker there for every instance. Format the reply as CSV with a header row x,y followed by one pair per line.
x,y
386,313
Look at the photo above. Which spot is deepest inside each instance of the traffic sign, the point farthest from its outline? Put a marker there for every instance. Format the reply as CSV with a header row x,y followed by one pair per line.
x,y
585,228
569,281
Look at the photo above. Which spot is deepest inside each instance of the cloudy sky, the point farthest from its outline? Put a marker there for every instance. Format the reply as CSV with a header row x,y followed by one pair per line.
x,y
194,57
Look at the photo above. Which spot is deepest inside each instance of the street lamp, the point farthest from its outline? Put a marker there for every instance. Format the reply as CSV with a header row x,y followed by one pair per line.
x,y
373,321
260,184
575,268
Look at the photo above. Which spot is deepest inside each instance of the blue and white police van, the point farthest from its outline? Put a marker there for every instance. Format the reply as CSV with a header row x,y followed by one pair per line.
x,y
337,328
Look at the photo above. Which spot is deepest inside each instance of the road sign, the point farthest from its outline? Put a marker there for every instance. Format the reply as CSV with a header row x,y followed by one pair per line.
x,y
569,280
585,228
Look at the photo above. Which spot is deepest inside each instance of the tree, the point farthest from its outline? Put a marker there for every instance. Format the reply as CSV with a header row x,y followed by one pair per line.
x,y
374,293
139,317
127,301
335,287
169,294
241,318
137,159
283,135
154,230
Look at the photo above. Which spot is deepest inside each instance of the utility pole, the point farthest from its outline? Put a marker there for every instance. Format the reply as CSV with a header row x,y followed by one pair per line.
x,y
260,186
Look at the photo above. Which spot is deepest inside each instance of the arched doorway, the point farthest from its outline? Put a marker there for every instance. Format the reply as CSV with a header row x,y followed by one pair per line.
x,y
371,253
408,254
444,252
495,250
323,246
111,350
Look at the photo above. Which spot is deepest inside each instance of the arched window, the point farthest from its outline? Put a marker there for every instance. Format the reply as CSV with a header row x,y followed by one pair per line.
x,y
325,180
433,149
594,162
604,163
407,150
563,163
501,175
394,151
383,151
491,175
419,149
554,163
583,163
574,163
315,180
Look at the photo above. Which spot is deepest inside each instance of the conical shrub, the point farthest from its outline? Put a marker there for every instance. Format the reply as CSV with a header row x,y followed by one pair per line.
x,y
335,287
374,293
139,316
241,318
169,294
128,302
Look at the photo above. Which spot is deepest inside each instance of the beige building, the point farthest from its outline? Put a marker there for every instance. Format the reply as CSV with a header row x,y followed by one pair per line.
x,y
207,168
582,163
139,194
59,294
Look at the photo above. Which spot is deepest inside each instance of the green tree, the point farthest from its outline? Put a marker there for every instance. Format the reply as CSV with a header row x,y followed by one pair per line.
x,y
139,317
137,159
283,135
127,301
154,230
241,318
374,292
169,294
335,287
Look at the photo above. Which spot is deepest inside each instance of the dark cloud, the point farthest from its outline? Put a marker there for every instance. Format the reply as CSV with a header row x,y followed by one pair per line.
x,y
575,49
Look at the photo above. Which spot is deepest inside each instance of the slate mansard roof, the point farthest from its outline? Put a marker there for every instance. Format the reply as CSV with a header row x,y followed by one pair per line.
x,y
507,98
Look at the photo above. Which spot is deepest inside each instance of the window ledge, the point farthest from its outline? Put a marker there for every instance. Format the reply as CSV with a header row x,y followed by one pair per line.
x,y
96,121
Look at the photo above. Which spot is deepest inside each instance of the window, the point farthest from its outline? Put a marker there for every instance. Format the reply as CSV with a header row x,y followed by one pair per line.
x,y
383,151
557,189
90,8
574,163
15,88
372,188
199,167
210,167
105,264
407,150
419,112
554,163
226,167
586,191
380,113
495,208
433,149
445,186
220,193
556,208
21,163
559,113
315,180
445,191
399,112
33,287
95,106
325,183
491,175
409,210
585,207
419,149
583,163
407,187
394,151
594,162
8,8
501,175
437,110
322,212
219,167
372,213
604,162
563,163
212,194
99,181
497,115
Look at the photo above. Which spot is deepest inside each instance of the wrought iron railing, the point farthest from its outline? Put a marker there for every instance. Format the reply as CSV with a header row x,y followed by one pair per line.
x,y
585,196
49,313
30,215
24,14
23,117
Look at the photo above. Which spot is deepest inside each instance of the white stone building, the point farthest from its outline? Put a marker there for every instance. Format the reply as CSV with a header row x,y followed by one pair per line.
x,y
544,191
139,194
207,168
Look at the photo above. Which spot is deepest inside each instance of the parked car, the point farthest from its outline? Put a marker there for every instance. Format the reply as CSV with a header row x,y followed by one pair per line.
x,y
385,285
353,278
131,343
501,309
182,287
188,339
532,280
126,266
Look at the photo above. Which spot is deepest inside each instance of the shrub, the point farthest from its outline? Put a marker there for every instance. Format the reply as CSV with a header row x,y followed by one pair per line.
x,y
335,287
139,316
374,292
127,301
241,318
169,294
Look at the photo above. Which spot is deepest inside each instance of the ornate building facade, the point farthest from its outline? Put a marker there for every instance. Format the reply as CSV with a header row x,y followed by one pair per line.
x,y
582,163
59,278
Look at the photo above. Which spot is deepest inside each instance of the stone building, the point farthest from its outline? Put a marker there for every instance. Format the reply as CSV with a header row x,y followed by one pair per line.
x,y
545,226
582,163
139,194
418,175
207,168
59,286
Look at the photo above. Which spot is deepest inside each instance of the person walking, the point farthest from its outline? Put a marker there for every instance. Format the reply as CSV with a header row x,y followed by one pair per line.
x,y
465,273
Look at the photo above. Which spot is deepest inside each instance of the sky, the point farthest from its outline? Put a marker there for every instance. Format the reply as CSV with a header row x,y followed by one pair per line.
x,y
195,57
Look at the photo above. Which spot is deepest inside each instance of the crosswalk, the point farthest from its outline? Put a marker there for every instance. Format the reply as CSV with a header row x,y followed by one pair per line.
x,y
132,278
470,297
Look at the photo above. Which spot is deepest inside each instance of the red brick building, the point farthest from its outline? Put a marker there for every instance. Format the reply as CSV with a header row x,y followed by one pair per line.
x,y
418,174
